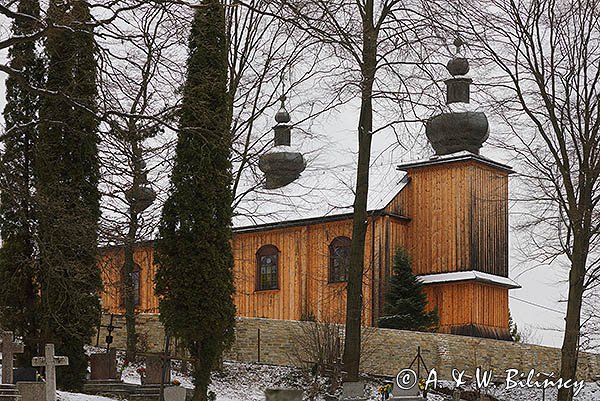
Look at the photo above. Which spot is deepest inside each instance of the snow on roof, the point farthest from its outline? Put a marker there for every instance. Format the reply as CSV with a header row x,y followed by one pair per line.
x,y
458,156
319,192
326,190
468,276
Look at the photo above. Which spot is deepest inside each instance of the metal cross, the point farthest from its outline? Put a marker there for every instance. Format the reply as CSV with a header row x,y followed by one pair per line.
x,y
110,327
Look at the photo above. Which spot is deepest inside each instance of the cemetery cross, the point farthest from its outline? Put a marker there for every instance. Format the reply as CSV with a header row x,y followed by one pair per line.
x,y
9,348
49,361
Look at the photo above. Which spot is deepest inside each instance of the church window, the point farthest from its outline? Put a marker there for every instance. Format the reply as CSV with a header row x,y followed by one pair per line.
x,y
267,270
135,280
339,259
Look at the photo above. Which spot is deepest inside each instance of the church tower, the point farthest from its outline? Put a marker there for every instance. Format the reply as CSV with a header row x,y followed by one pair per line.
x,y
457,202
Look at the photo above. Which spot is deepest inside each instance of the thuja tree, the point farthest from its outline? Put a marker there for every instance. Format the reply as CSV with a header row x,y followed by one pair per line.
x,y
19,300
67,199
195,280
405,301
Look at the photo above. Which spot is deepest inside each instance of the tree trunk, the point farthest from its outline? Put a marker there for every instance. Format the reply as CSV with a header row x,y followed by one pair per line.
x,y
201,375
568,366
129,296
352,340
129,266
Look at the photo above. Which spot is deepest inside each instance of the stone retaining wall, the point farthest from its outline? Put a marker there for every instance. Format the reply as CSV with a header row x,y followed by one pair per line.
x,y
386,351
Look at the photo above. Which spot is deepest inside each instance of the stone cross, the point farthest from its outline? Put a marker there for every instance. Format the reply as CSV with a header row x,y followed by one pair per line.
x,y
49,361
9,348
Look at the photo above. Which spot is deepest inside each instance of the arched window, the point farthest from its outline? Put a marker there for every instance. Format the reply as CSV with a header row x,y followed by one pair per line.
x,y
267,259
339,259
135,280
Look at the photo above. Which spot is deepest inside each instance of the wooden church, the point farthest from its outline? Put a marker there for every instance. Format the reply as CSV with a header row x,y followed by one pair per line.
x,y
450,212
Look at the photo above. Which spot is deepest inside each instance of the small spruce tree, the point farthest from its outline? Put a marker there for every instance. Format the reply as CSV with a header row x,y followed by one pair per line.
x,y
405,301
515,334
195,276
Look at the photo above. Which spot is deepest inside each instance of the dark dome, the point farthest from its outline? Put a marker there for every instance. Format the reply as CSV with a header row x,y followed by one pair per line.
x,y
141,198
458,66
281,168
282,116
456,132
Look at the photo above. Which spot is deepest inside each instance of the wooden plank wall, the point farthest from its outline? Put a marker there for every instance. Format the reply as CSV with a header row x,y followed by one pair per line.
x,y
394,235
469,303
111,263
489,220
459,218
304,264
458,221
303,291
283,303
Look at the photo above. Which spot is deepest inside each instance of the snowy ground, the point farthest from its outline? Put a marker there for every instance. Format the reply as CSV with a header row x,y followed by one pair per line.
x,y
247,382
64,396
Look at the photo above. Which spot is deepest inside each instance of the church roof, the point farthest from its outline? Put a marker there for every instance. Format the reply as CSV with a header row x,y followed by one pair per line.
x,y
328,193
470,275
317,194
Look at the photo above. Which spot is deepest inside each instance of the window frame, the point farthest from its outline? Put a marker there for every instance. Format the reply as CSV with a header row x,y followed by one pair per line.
x,y
137,296
338,242
263,251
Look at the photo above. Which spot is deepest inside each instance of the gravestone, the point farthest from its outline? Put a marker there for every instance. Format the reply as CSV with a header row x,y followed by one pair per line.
x,y
175,393
104,365
32,391
24,375
353,391
154,370
9,349
49,361
277,394
406,394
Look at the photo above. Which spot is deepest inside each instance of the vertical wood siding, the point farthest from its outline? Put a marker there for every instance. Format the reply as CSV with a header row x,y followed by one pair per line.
x,y
469,303
111,264
459,218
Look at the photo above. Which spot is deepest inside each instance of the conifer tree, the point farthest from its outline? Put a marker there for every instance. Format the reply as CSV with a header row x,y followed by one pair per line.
x,y
19,300
405,301
515,334
195,278
67,197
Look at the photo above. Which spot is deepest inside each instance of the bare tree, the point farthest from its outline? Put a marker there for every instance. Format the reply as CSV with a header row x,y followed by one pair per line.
x,y
268,58
369,40
103,13
142,69
143,59
544,79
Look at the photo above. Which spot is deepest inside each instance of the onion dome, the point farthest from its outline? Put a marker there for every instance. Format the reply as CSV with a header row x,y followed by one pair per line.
x,y
457,131
281,165
141,195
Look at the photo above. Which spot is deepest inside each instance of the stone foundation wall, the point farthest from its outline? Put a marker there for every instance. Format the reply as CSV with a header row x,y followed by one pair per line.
x,y
385,351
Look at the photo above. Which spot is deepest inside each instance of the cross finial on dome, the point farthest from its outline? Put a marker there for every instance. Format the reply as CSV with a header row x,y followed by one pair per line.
x,y
458,65
282,116
458,42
